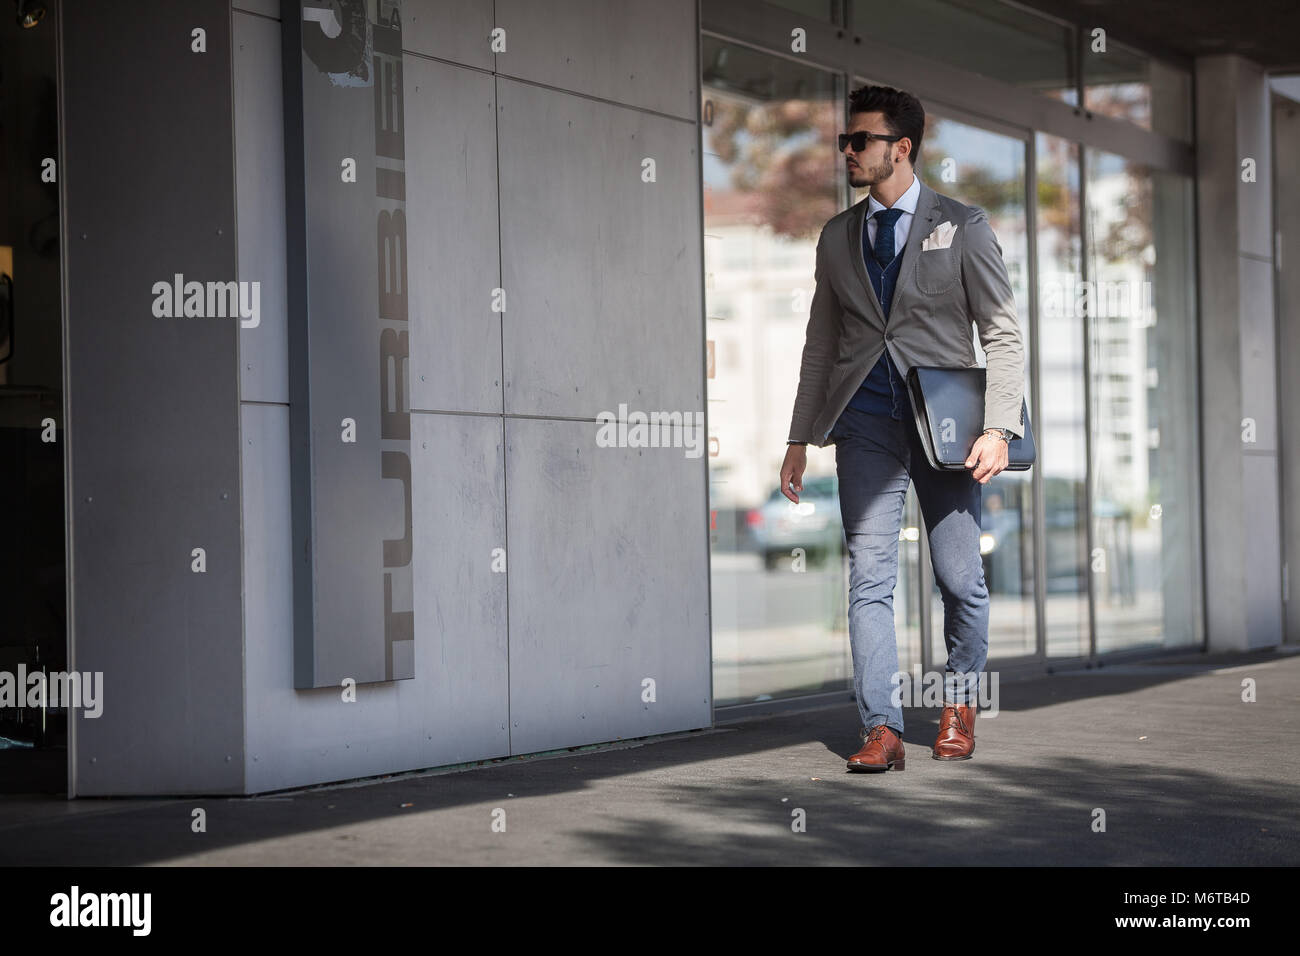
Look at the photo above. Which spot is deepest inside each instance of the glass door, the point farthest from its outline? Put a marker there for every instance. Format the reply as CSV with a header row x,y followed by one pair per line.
x,y
984,168
771,180
1142,355
1061,422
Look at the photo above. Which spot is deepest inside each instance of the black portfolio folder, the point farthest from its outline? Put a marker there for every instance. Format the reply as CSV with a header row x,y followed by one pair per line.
x,y
948,404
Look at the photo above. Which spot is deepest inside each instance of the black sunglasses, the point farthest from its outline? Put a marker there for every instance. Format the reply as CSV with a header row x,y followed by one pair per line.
x,y
861,139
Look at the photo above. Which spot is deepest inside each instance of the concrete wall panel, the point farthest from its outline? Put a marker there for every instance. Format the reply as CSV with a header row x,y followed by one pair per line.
x,y
617,312
605,588
456,30
1258,353
639,54
1238,360
1286,131
259,159
454,710
451,214
1263,561
601,270
1254,199
152,403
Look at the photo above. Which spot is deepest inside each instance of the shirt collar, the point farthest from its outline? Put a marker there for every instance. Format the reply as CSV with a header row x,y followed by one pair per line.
x,y
906,202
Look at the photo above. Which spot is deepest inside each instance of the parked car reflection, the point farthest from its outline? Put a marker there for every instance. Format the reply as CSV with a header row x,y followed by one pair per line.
x,y
779,525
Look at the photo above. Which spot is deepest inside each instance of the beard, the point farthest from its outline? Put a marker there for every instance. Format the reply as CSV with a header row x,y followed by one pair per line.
x,y
870,175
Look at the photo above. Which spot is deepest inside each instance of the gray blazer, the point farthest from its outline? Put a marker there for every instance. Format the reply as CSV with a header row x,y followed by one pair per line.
x,y
939,293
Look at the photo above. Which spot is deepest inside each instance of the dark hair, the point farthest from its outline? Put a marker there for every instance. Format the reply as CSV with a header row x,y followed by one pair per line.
x,y
903,112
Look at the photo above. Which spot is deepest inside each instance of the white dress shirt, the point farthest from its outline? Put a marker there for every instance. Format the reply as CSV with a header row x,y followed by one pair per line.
x,y
907,203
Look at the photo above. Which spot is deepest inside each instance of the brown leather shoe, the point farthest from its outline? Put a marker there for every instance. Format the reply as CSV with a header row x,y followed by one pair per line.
x,y
956,740
881,750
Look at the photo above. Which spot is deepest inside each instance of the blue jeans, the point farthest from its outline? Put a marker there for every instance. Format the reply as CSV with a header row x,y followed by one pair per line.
x,y
875,457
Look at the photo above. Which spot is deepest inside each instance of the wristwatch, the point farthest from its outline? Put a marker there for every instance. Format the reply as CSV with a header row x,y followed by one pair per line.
x,y
792,442
1003,433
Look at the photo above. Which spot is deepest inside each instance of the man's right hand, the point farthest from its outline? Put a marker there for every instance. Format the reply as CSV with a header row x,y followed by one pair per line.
x,y
796,460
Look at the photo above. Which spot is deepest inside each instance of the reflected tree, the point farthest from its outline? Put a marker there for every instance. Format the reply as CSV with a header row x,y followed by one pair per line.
x,y
783,155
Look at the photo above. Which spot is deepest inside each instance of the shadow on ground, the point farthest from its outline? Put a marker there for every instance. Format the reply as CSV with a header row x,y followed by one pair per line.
x,y
1185,772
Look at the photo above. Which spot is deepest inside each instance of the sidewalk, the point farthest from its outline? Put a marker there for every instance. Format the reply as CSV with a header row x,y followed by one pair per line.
x,y
1186,773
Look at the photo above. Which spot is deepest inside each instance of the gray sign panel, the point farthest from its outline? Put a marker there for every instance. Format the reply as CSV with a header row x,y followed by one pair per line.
x,y
348,341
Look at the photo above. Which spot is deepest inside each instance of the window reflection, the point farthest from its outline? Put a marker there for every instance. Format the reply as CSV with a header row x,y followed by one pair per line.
x,y
771,181
1127,85
772,178
1142,329
994,39
987,169
821,9
1060,424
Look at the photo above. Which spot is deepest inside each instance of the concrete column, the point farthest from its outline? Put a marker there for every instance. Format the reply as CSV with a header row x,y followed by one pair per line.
x,y
1286,223
1239,408
152,402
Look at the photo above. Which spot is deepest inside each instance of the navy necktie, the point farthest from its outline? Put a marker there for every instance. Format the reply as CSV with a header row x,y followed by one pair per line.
x,y
883,249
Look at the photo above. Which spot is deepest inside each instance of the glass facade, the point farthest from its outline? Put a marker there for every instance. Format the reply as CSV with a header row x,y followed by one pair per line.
x,y
771,180
1061,421
1141,317
1127,85
1092,551
1006,43
987,169
821,9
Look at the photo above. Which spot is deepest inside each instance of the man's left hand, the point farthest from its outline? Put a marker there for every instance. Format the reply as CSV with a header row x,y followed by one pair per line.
x,y
988,456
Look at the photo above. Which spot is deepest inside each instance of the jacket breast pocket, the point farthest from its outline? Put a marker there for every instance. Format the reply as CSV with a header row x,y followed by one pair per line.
x,y
936,271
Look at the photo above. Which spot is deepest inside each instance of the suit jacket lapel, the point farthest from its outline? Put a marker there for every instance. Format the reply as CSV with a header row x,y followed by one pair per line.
x,y
856,226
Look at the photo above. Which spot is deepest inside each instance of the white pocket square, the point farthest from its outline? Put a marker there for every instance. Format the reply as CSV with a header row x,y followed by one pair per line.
x,y
941,238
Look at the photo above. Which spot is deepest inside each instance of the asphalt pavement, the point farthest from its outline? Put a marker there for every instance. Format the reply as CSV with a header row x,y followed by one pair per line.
x,y
1153,764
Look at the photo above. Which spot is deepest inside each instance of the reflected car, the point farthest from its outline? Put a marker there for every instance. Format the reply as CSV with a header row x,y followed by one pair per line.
x,y
779,525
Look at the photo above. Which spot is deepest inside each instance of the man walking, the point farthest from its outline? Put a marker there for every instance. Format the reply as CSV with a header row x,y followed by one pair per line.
x,y
900,278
